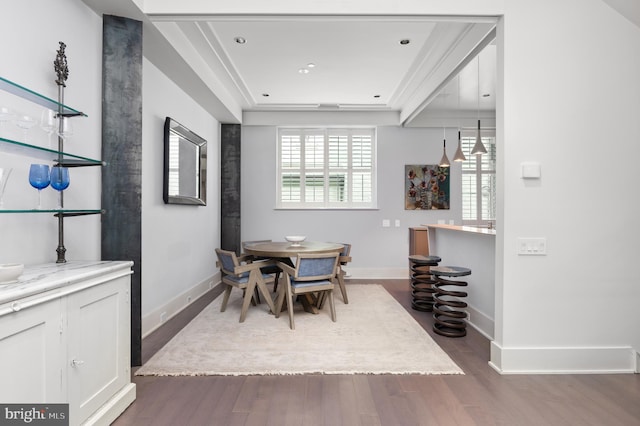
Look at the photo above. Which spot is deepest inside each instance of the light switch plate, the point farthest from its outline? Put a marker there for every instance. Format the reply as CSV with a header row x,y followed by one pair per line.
x,y
386,223
532,246
530,170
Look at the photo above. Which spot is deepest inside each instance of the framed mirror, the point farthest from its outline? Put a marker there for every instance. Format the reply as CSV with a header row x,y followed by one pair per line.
x,y
185,165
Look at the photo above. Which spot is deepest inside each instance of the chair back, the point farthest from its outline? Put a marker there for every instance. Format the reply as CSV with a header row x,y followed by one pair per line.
x,y
344,255
313,267
228,261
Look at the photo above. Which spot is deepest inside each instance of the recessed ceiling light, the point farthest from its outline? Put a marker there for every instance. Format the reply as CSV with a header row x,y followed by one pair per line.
x,y
303,70
266,95
311,65
486,95
240,40
405,41
376,96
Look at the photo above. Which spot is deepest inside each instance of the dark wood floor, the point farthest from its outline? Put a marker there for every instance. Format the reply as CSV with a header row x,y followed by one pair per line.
x,y
480,397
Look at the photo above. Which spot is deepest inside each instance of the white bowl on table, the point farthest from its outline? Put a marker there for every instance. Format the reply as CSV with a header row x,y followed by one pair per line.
x,y
9,272
295,240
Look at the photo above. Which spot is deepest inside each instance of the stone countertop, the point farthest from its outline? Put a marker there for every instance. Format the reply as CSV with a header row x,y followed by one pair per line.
x,y
470,229
50,276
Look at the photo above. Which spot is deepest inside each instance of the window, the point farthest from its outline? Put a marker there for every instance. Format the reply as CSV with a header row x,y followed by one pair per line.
x,y
326,168
478,182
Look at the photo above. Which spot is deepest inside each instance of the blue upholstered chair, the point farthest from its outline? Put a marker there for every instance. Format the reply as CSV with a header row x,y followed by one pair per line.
x,y
343,260
269,267
245,276
313,274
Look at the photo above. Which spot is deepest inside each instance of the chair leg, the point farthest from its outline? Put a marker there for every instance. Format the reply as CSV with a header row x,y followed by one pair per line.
x,y
290,306
248,297
275,282
343,288
262,287
279,302
225,298
332,305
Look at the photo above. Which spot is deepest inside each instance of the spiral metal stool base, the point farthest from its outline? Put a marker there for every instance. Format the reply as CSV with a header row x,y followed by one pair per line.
x,y
448,315
422,281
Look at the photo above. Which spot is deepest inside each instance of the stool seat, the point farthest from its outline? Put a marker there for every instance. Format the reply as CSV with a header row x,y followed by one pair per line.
x,y
450,271
419,259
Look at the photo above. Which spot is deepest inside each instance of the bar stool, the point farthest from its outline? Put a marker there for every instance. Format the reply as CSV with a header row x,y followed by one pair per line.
x,y
422,281
447,307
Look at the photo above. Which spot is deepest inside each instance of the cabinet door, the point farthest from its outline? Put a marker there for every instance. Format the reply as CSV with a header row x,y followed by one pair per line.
x,y
98,336
32,354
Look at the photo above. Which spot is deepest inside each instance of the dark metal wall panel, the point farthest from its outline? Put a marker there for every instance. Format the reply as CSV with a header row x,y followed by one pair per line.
x,y
122,151
230,187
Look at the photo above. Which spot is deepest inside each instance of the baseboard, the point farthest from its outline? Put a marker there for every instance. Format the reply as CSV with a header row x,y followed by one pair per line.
x,y
637,362
481,322
112,409
160,315
576,360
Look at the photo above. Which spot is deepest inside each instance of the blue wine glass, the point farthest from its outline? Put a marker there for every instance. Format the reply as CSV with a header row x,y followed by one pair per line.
x,y
39,178
59,181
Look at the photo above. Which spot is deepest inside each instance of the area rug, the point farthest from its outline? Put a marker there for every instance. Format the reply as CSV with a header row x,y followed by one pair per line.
x,y
373,334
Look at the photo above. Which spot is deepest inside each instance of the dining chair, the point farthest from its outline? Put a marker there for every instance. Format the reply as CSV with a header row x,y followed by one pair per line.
x,y
344,258
269,269
313,273
245,276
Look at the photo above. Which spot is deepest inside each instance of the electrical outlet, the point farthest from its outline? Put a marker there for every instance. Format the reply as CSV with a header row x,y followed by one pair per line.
x,y
532,246
163,317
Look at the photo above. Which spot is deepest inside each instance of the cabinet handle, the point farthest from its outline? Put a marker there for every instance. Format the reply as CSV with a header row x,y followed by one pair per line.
x,y
15,306
76,362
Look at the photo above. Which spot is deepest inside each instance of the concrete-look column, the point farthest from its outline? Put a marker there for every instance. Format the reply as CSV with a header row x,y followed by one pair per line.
x,y
230,187
122,151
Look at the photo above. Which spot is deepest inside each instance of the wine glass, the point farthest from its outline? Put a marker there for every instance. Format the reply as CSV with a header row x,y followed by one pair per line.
x,y
39,178
59,181
65,130
6,115
4,177
49,123
25,122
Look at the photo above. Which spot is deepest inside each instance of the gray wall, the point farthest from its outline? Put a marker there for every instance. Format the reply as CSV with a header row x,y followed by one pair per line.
x,y
377,252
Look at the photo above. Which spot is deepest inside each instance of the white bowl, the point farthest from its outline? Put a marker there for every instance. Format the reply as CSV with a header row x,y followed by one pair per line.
x,y
295,239
9,272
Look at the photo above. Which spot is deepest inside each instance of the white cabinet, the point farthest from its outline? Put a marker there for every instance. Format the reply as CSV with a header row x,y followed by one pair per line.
x,y
65,338
32,354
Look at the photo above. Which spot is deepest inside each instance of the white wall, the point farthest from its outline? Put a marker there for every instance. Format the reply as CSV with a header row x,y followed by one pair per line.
x,y
178,241
377,252
30,31
570,101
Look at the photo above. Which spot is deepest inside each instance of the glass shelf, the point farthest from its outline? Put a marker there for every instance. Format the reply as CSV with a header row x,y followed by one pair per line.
x,y
68,160
57,212
30,95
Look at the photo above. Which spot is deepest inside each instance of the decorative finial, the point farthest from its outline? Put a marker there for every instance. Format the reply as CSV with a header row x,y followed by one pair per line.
x,y
60,66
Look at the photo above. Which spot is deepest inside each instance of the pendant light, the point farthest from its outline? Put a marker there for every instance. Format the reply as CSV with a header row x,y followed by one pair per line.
x,y
479,147
459,155
444,161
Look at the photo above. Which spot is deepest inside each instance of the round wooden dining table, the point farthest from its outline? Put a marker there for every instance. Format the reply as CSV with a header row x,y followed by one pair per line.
x,y
280,249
